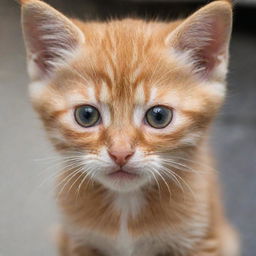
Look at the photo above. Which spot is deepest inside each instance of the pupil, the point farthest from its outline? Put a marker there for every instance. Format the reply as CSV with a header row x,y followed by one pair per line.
x,y
158,114
87,113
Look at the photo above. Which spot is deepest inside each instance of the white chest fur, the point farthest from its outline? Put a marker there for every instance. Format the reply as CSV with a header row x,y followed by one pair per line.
x,y
124,244
129,205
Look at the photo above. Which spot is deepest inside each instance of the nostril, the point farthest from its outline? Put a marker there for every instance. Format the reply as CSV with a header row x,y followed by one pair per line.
x,y
120,157
128,156
113,157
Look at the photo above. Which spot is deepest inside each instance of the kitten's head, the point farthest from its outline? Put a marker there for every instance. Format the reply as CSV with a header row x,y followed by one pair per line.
x,y
124,99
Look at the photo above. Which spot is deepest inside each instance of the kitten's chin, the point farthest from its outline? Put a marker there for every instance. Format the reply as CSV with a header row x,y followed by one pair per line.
x,y
122,181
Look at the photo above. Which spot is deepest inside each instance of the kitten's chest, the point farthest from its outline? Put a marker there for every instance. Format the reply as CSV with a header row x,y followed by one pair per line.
x,y
123,244
137,233
126,244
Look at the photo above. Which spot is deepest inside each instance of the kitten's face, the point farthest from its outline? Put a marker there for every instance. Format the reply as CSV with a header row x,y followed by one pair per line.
x,y
128,104
116,102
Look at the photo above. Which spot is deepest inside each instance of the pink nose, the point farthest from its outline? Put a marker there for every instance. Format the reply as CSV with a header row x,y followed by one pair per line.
x,y
120,157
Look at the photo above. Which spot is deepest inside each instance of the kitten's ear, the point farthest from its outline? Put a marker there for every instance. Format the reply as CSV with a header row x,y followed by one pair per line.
x,y
50,38
204,38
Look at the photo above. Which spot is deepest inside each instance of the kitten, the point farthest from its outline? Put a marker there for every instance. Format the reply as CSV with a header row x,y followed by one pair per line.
x,y
128,104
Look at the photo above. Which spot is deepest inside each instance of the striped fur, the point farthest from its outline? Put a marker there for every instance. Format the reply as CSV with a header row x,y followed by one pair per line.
x,y
124,67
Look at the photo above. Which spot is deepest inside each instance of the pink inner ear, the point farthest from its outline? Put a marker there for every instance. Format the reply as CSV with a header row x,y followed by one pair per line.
x,y
40,49
208,54
49,39
205,39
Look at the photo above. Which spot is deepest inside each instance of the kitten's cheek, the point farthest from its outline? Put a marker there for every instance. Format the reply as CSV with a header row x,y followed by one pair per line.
x,y
57,137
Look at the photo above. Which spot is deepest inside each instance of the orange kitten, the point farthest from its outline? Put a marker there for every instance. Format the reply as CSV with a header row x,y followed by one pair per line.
x,y
128,104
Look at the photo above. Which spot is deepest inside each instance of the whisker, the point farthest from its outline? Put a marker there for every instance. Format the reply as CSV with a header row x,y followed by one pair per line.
x,y
210,168
171,157
79,176
157,182
81,183
159,174
182,167
173,176
66,180
185,183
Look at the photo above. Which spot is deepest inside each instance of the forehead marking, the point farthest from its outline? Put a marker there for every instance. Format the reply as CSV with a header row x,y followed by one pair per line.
x,y
135,74
104,93
138,115
153,94
91,94
75,99
110,72
140,94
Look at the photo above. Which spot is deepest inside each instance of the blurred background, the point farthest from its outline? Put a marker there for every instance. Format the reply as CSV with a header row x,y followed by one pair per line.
x,y
27,208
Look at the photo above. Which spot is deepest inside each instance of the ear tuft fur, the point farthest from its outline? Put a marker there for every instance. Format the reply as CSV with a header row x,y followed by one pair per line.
x,y
22,2
50,38
204,38
229,1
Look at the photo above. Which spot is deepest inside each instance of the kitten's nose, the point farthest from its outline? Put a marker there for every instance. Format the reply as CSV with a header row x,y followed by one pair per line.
x,y
120,157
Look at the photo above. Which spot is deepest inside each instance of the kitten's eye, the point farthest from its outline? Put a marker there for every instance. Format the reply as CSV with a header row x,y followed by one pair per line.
x,y
87,116
159,116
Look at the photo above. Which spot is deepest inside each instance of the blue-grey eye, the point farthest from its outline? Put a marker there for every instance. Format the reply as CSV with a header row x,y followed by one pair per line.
x,y
159,116
87,116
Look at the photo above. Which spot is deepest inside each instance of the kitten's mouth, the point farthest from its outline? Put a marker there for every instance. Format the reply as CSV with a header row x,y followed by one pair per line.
x,y
121,174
